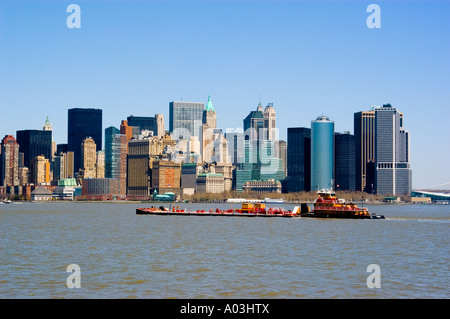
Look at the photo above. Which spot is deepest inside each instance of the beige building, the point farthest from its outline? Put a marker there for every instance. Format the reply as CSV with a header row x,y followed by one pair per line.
x,y
100,164
210,183
40,170
89,158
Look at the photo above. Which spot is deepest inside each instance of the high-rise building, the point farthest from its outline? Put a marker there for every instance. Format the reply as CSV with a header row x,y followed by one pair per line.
x,y
82,123
33,143
138,169
364,131
40,170
110,132
9,161
269,122
185,119
160,125
209,124
88,158
393,173
166,177
116,157
322,149
143,123
100,165
344,161
298,159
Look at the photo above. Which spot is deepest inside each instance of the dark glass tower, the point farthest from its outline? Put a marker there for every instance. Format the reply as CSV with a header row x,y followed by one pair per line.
x,y
298,159
83,123
33,143
144,123
344,161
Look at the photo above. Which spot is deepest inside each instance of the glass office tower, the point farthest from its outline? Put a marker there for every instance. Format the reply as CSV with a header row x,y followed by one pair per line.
x,y
33,143
393,173
298,159
83,123
185,119
322,149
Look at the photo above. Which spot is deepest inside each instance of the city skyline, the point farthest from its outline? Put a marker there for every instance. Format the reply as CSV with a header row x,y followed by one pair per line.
x,y
311,59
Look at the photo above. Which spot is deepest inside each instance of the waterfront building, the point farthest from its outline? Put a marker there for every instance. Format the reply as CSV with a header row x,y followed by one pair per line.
x,y
209,182
41,193
344,161
188,177
9,161
33,143
226,169
364,131
298,159
100,188
83,123
66,189
88,158
322,146
40,170
185,119
166,177
393,173
263,186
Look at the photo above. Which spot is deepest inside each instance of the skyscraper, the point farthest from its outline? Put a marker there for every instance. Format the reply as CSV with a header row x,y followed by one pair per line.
x,y
89,158
393,173
185,119
344,161
116,157
269,122
298,159
322,149
209,123
9,161
82,123
364,130
33,143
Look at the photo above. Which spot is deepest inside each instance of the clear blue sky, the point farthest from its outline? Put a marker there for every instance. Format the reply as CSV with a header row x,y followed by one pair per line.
x,y
307,57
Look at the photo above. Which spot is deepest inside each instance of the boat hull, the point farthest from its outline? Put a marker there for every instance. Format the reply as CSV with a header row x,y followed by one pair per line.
x,y
144,211
339,215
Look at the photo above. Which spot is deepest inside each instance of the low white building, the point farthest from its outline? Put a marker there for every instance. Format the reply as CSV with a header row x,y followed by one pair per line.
x,y
41,194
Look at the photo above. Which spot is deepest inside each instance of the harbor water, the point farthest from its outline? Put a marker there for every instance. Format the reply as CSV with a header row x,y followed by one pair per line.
x,y
124,255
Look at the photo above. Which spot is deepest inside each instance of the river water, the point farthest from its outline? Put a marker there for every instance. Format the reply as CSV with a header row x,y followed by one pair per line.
x,y
124,255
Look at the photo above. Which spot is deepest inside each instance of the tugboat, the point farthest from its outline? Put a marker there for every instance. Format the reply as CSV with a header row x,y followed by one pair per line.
x,y
328,205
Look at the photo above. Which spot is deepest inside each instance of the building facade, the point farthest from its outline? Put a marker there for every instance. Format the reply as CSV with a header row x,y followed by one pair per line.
x,y
298,159
9,161
185,119
344,161
364,131
393,173
83,123
33,143
322,150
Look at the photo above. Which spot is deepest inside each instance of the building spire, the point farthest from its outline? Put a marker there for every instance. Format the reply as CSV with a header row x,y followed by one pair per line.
x,y
47,126
209,105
